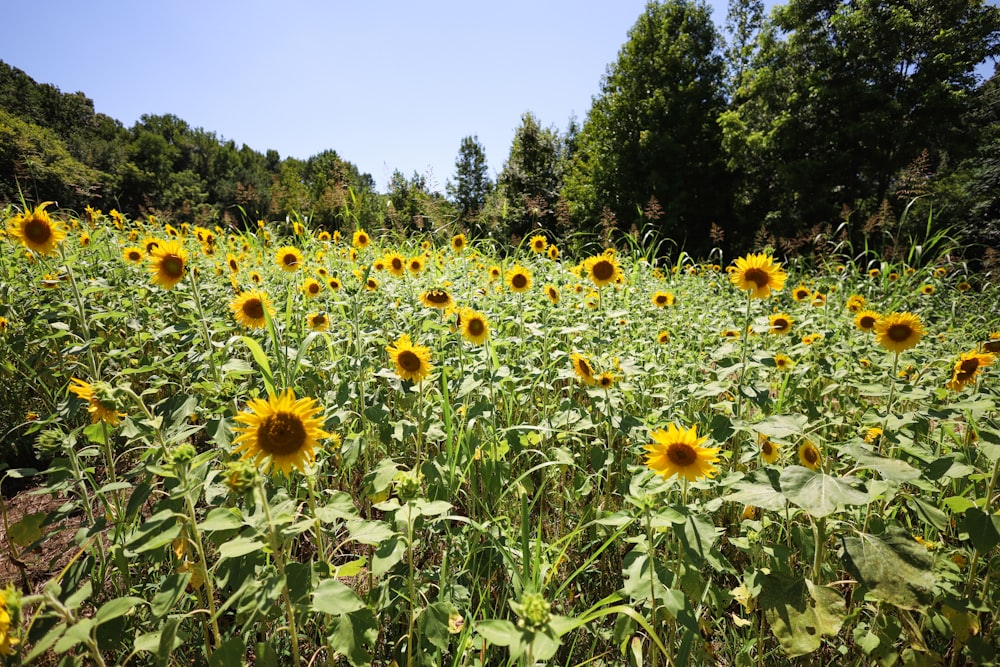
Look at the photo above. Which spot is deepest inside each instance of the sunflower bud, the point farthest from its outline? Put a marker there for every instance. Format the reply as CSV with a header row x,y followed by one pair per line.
x,y
408,485
241,476
182,454
533,610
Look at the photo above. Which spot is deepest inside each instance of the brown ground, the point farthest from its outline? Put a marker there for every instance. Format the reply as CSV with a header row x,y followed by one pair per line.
x,y
30,569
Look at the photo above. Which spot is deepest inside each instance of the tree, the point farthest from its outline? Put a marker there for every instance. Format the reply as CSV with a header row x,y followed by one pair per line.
x,y
472,184
532,177
843,95
652,131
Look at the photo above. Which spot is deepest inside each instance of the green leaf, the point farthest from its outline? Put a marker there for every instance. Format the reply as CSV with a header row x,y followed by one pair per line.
x,y
221,518
434,623
389,553
241,546
928,513
761,488
334,597
369,532
820,494
171,591
354,635
230,652
894,469
349,569
499,632
799,612
115,608
262,363
983,529
893,566
782,426
340,506
28,529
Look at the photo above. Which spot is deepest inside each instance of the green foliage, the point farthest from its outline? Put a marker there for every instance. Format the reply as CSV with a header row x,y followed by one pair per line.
x,y
532,177
472,183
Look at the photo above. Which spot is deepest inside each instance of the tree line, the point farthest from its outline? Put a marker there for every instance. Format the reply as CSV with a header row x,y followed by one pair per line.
x,y
857,121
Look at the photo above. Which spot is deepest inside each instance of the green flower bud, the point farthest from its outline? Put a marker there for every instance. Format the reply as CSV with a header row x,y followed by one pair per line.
x,y
241,476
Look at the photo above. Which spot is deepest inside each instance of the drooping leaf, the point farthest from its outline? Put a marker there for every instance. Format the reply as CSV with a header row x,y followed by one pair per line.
x,y
893,566
799,612
820,494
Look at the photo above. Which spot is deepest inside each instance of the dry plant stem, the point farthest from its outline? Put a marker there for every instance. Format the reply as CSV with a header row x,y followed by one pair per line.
x,y
279,563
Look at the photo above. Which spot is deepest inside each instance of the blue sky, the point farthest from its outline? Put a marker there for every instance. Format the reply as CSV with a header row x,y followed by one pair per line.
x,y
388,85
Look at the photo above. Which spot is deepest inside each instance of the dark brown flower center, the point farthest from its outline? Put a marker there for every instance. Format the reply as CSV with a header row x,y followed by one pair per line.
x,y
899,332
281,434
767,448
290,259
781,324
172,265
439,297
476,326
37,230
253,308
585,368
681,454
758,277
409,361
397,264
319,320
314,288
867,322
519,280
966,369
135,256
810,455
603,270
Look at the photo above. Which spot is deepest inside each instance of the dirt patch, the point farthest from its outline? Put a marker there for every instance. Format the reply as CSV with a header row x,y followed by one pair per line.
x,y
30,566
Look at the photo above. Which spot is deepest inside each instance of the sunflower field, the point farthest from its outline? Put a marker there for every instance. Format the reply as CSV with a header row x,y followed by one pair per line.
x,y
292,446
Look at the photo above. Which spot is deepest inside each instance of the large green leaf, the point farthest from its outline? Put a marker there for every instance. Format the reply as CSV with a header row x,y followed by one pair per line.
x,y
894,469
820,494
334,597
983,529
782,426
893,566
799,612
761,488
353,635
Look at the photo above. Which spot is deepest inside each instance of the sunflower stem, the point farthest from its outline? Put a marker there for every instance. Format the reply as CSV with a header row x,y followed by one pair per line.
x,y
318,525
279,564
203,321
888,403
652,576
192,517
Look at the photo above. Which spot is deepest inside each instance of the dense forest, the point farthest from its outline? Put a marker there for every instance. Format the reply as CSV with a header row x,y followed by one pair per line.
x,y
850,122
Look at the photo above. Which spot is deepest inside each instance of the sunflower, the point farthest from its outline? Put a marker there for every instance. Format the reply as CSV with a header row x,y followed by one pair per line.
x,y
602,269
661,299
4,324
289,258
415,264
809,455
873,435
893,276
371,284
993,344
809,339
606,380
312,288
474,325
412,361
169,261
663,337
769,451
232,262
552,293
874,273
927,289
758,274
940,272
968,367
360,240
37,231
519,279
395,264
855,303
538,244
318,321
679,452
781,323
801,293
783,362
493,273
379,265
281,432
730,333
133,254
436,298
898,331
84,239
101,399
248,309
963,286
553,252
256,278
866,319
582,368
323,236
818,300
458,243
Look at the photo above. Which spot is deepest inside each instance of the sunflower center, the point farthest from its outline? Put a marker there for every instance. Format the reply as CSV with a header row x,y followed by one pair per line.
x,y
438,297
151,246
967,369
253,308
397,264
319,320
519,280
681,454
314,288
476,327
604,270
281,434
134,256
867,322
290,260
661,299
37,231
899,332
780,324
767,448
409,361
810,455
758,277
585,368
173,266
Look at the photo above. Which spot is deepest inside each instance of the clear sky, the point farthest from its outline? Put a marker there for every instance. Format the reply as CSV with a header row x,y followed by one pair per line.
x,y
387,84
